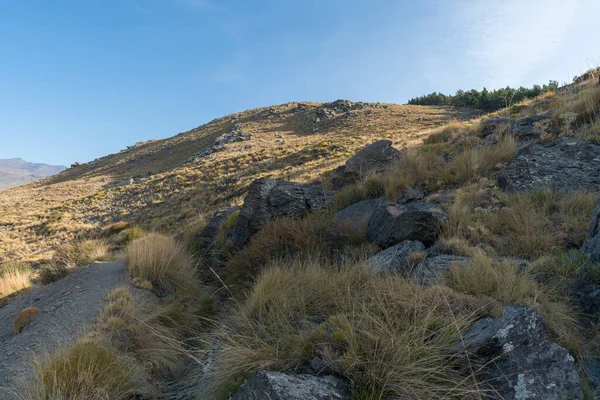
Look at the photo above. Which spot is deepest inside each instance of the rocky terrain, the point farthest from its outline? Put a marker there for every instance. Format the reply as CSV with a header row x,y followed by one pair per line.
x,y
15,172
322,251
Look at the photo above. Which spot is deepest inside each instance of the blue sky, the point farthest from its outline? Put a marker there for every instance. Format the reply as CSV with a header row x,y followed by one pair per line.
x,y
82,79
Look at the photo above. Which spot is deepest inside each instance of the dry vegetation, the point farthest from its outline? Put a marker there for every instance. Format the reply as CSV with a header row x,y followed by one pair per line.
x,y
169,195
298,291
14,277
390,337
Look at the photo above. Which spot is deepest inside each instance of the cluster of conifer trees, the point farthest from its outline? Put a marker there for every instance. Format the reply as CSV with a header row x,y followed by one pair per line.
x,y
484,100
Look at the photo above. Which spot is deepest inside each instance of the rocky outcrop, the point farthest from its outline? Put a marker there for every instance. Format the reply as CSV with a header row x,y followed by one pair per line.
x,y
268,199
591,245
562,165
396,258
372,158
392,224
358,214
235,135
522,129
265,385
514,355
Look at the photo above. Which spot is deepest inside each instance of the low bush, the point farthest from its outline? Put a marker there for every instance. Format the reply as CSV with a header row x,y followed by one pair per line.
x,y
130,234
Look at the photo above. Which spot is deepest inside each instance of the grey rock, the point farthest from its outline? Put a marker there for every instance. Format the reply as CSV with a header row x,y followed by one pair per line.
x,y
265,385
341,177
269,199
562,165
428,271
391,224
585,297
373,157
591,245
514,355
591,368
395,258
357,215
412,195
523,129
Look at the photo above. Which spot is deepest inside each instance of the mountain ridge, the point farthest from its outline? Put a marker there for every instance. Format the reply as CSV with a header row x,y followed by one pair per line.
x,y
17,171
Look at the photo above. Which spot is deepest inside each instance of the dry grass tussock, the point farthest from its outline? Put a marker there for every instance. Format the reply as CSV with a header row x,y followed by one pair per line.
x,y
72,255
504,282
425,166
161,260
14,277
160,263
133,340
315,236
148,331
391,338
85,370
525,225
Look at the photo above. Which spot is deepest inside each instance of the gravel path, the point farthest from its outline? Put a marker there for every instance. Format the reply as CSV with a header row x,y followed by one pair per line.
x,y
67,306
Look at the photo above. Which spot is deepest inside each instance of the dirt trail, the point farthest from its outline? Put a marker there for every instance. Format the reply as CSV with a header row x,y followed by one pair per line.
x,y
68,307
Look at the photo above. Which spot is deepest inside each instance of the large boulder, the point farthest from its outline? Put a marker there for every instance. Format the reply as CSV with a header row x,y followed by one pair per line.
x,y
266,385
392,224
372,158
396,258
563,165
268,199
514,355
591,245
357,215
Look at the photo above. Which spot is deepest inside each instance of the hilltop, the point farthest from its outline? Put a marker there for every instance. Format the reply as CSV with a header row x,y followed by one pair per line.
x,y
16,171
318,251
297,141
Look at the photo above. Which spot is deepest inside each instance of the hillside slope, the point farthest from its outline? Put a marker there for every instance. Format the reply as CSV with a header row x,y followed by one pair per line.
x,y
16,171
153,184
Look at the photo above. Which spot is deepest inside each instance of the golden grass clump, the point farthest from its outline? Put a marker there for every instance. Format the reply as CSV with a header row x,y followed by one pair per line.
x,y
391,338
504,282
161,260
86,370
426,166
23,318
445,134
14,277
522,224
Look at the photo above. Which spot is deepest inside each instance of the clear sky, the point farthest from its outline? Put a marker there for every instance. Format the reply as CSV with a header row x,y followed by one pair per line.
x,y
81,79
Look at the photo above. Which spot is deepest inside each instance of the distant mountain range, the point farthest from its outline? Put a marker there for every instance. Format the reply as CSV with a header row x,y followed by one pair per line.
x,y
16,171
